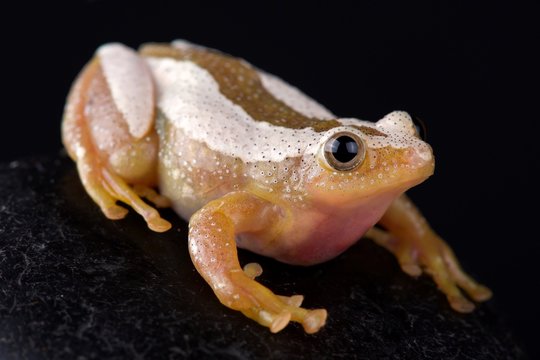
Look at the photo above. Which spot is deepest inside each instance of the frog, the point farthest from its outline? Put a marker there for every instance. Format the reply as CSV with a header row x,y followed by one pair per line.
x,y
251,162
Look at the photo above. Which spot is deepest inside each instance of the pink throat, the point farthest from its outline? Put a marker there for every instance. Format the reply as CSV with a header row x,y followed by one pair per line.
x,y
322,234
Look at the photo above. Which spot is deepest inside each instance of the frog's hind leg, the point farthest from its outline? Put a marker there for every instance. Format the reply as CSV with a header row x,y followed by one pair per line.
x,y
212,248
107,143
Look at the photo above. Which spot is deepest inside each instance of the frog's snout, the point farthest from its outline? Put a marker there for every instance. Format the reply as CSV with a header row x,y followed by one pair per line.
x,y
421,158
418,154
423,152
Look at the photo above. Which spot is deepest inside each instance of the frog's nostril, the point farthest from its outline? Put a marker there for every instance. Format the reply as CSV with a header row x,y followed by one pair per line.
x,y
422,155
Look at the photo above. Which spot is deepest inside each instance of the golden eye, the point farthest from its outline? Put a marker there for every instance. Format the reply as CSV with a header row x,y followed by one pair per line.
x,y
344,151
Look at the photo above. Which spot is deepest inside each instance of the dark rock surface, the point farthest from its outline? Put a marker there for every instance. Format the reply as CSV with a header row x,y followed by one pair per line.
x,y
75,285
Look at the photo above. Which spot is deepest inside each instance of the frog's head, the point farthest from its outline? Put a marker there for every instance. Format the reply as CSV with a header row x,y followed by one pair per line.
x,y
361,160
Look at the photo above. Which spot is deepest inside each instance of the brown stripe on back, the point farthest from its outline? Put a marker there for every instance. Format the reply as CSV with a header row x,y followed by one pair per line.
x,y
240,83
369,131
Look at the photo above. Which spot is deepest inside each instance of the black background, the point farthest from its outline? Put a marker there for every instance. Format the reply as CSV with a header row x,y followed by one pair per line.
x,y
466,70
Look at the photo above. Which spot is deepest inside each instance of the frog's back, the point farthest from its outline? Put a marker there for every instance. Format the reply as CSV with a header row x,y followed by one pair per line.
x,y
225,125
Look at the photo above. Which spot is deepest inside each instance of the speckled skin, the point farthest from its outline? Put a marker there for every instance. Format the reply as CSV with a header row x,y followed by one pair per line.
x,y
320,203
241,154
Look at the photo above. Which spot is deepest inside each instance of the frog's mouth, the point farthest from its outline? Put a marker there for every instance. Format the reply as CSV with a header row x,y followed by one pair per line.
x,y
399,187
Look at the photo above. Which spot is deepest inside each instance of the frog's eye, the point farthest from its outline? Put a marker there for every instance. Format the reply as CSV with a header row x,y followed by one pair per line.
x,y
344,151
420,127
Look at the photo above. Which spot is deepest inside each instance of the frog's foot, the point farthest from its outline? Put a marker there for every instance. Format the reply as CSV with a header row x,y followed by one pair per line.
x,y
431,254
106,188
119,190
291,310
212,248
273,311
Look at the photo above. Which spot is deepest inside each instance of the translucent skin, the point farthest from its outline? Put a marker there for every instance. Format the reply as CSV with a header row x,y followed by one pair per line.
x,y
279,200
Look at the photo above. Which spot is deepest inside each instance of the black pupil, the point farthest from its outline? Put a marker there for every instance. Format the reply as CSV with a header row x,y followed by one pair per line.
x,y
344,149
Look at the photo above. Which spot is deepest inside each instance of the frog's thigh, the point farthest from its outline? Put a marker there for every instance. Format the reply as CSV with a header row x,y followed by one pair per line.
x,y
105,138
213,251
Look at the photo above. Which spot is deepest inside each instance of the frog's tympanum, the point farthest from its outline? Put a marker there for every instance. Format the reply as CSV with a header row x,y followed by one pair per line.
x,y
253,163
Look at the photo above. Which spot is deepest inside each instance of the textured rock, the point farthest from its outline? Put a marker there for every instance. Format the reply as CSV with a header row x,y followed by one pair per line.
x,y
76,285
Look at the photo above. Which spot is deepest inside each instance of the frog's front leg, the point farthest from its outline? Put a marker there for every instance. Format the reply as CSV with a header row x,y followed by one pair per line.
x,y
212,247
418,247
107,129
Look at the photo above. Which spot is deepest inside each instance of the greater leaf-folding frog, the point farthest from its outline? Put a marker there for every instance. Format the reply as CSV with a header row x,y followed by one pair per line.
x,y
253,163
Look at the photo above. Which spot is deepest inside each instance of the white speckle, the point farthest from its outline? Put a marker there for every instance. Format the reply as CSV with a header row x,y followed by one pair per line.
x,y
191,100
80,152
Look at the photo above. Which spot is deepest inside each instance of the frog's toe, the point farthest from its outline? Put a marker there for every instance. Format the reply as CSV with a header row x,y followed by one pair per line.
x,y
461,304
476,291
158,224
408,260
280,321
253,270
455,297
274,321
314,320
411,269
295,300
147,192
115,212
481,293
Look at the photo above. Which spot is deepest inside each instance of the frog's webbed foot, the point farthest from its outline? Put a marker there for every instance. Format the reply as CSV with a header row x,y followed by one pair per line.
x,y
432,255
419,249
213,251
